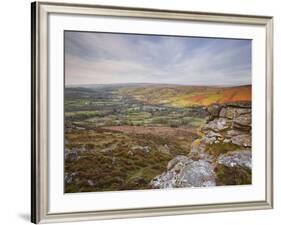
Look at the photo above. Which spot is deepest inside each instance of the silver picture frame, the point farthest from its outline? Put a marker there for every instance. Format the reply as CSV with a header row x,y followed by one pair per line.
x,y
39,156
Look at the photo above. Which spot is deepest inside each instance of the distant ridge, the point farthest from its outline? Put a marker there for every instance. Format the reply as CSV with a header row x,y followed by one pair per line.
x,y
186,96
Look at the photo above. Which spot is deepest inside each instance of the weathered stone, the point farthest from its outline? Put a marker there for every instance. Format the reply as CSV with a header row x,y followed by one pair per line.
x,y
140,148
164,149
243,111
208,140
109,149
83,148
232,112
214,111
226,141
232,133
67,178
185,172
174,161
227,113
242,140
70,177
71,155
237,158
211,134
91,183
243,120
130,153
217,125
242,128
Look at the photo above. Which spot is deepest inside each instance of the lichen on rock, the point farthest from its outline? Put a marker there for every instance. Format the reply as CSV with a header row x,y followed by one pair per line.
x,y
183,171
222,155
236,158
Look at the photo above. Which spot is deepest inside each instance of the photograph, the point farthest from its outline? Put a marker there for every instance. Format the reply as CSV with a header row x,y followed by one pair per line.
x,y
149,111
141,112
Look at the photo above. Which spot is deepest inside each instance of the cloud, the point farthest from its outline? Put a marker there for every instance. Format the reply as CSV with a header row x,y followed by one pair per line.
x,y
92,58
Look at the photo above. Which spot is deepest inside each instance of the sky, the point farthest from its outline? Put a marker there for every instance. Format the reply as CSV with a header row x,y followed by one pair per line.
x,y
105,58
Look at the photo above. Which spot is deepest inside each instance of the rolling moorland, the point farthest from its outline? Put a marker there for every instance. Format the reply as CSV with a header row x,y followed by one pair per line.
x,y
122,136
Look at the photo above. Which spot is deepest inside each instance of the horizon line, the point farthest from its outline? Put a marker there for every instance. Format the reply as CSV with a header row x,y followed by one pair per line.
x,y
146,83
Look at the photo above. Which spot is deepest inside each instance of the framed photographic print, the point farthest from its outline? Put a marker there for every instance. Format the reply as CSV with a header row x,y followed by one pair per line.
x,y
147,112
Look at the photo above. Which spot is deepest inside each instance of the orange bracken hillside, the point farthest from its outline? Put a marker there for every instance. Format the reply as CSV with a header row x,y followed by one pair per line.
x,y
185,96
236,94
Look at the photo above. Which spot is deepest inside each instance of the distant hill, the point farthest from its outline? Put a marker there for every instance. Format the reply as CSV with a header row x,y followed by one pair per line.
x,y
185,96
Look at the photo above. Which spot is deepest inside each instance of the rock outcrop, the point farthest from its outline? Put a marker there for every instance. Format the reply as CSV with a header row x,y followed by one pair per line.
x,y
229,123
221,156
71,155
186,172
236,158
